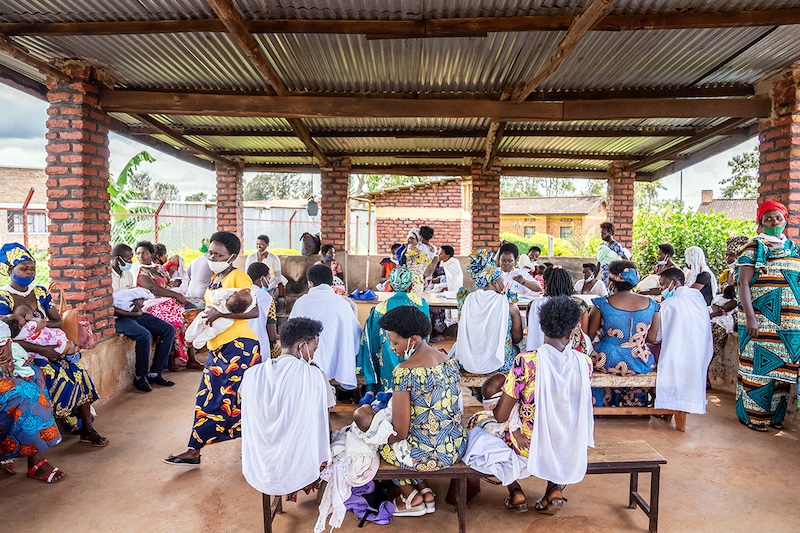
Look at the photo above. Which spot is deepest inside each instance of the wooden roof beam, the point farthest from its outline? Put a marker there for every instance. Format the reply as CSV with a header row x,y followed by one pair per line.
x,y
20,53
726,127
248,44
194,147
442,154
409,29
355,107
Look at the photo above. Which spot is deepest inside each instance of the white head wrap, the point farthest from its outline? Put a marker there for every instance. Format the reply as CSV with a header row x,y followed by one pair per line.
x,y
696,262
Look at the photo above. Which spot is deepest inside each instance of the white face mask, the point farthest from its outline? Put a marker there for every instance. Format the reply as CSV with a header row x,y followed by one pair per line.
x,y
662,263
409,351
308,359
217,266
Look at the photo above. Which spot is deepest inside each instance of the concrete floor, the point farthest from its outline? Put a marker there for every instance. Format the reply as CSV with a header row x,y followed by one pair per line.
x,y
720,477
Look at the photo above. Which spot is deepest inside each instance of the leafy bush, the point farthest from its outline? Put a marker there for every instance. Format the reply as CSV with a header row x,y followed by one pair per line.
x,y
683,229
560,246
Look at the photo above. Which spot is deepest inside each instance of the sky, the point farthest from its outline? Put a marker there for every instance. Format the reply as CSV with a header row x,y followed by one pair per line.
x,y
22,144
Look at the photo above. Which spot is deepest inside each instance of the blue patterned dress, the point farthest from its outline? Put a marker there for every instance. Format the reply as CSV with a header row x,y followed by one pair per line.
x,y
623,351
437,438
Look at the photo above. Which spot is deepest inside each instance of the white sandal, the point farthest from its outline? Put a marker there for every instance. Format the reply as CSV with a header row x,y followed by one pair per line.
x,y
410,510
430,507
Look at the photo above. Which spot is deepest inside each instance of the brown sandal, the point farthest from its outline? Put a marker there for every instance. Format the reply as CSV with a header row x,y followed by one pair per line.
x,y
94,438
554,505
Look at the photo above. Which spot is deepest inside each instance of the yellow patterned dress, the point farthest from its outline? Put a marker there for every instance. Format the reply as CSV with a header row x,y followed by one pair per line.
x,y
437,438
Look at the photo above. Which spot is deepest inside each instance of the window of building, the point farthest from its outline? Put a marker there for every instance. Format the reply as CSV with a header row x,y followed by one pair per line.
x,y
37,222
566,232
529,231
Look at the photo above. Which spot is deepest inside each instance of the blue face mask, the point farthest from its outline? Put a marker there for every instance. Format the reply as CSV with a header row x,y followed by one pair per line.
x,y
667,293
24,282
125,267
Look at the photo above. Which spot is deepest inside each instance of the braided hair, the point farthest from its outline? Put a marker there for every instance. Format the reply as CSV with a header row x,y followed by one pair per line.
x,y
557,282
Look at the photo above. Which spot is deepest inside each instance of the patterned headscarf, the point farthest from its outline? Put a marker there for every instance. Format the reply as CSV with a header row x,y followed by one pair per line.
x,y
733,244
482,268
11,255
400,279
629,276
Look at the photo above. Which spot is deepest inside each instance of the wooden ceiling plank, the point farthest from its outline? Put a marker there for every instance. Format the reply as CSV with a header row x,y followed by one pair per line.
x,y
580,26
20,53
726,127
249,45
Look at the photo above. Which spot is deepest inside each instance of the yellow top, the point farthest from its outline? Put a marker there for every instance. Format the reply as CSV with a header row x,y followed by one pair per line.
x,y
236,279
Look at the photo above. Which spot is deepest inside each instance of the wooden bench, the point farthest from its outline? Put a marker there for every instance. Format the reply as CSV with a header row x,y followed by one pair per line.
x,y
617,457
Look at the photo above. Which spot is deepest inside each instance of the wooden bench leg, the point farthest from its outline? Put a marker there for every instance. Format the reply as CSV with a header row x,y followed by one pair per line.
x,y
461,504
680,420
634,490
655,482
271,508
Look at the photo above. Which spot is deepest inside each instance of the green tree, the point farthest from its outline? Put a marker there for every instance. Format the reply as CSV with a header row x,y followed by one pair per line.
x,y
277,186
165,191
364,183
197,197
743,181
143,183
595,188
682,229
645,196
518,187
124,222
556,186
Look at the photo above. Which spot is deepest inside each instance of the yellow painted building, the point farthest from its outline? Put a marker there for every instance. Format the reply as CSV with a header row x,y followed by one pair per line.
x,y
563,217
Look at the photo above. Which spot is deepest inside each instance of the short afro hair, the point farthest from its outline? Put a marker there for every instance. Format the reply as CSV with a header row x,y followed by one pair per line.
x,y
12,323
299,329
558,316
674,273
667,249
161,249
146,244
426,232
396,246
227,239
320,275
590,266
406,321
447,249
257,270
608,226
509,248
535,248
263,238
325,248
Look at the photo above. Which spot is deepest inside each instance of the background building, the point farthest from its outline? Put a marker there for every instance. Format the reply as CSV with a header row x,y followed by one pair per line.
x,y
564,217
15,184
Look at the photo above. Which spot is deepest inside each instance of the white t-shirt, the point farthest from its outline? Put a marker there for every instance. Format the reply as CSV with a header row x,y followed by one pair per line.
x,y
274,264
120,282
599,288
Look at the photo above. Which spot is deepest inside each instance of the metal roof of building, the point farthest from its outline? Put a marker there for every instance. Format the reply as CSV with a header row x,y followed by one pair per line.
x,y
551,205
704,60
736,208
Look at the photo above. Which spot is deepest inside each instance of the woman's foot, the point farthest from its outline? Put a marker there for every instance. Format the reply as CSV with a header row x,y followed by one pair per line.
x,y
412,504
552,501
777,425
516,499
45,472
94,438
761,428
7,467
428,498
190,457
192,364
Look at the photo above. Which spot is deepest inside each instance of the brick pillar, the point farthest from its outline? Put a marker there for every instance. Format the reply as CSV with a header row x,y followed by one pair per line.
x,y
485,206
77,195
333,205
619,203
230,200
779,145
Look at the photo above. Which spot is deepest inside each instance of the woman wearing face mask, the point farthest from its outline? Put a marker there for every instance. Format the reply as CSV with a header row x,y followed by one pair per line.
x,y
425,408
664,258
217,412
329,260
767,273
71,388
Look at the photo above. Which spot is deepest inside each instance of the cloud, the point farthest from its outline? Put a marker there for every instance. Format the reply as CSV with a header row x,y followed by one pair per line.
x,y
24,116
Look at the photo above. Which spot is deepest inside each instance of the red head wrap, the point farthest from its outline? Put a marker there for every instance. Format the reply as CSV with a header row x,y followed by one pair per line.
x,y
770,206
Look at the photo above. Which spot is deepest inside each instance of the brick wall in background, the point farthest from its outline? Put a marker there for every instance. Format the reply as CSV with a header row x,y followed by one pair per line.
x,y
485,206
230,200
77,195
395,230
619,203
333,204
447,195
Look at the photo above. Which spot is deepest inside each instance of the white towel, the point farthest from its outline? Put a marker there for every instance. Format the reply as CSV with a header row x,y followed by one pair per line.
x,y
687,346
481,342
199,332
340,339
285,431
453,274
492,456
563,427
123,299
535,333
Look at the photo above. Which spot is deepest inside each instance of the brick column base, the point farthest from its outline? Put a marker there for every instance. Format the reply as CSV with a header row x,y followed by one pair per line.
x,y
333,205
78,199
230,200
619,203
485,206
779,145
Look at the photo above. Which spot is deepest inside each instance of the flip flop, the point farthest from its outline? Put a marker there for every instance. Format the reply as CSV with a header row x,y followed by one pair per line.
x,y
177,461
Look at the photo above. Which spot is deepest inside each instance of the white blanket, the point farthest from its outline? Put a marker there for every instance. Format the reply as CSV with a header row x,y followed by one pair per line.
x,y
340,339
200,332
481,342
686,349
453,274
285,431
535,333
259,324
563,428
123,299
492,456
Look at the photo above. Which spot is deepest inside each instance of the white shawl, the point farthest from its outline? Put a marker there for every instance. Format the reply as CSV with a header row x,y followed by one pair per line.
x,y
285,430
563,427
686,349
340,339
259,324
481,342
453,274
535,333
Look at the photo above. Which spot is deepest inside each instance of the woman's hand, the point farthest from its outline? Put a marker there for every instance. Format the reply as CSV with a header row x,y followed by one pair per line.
x,y
6,361
50,353
180,298
212,315
751,326
523,442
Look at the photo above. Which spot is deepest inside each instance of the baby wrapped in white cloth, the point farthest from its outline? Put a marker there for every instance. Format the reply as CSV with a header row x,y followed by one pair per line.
x,y
235,301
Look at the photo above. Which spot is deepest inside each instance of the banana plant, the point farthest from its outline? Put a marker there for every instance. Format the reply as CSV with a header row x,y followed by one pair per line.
x,y
124,222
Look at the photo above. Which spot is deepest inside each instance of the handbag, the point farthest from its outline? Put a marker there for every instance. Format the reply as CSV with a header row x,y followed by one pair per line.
x,y
79,332
365,295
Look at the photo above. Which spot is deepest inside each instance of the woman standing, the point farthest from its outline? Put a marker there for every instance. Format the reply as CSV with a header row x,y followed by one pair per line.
x,y
425,411
27,427
152,276
72,391
768,277
627,322
217,412
418,255
376,360
699,276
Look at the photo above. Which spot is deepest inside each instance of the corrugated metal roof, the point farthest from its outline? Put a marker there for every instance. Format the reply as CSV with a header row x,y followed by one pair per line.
x,y
545,205
736,208
620,145
245,144
396,124
102,10
391,144
578,164
242,123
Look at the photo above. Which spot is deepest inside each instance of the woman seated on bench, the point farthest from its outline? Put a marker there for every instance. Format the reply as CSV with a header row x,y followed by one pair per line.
x,y
426,414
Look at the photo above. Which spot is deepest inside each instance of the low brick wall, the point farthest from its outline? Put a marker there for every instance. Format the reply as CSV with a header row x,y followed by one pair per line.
x,y
111,363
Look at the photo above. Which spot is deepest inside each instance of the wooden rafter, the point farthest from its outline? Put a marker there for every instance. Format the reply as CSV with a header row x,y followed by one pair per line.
x,y
699,138
355,107
443,154
188,156
579,27
495,135
248,44
20,53
194,147
447,27
440,170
